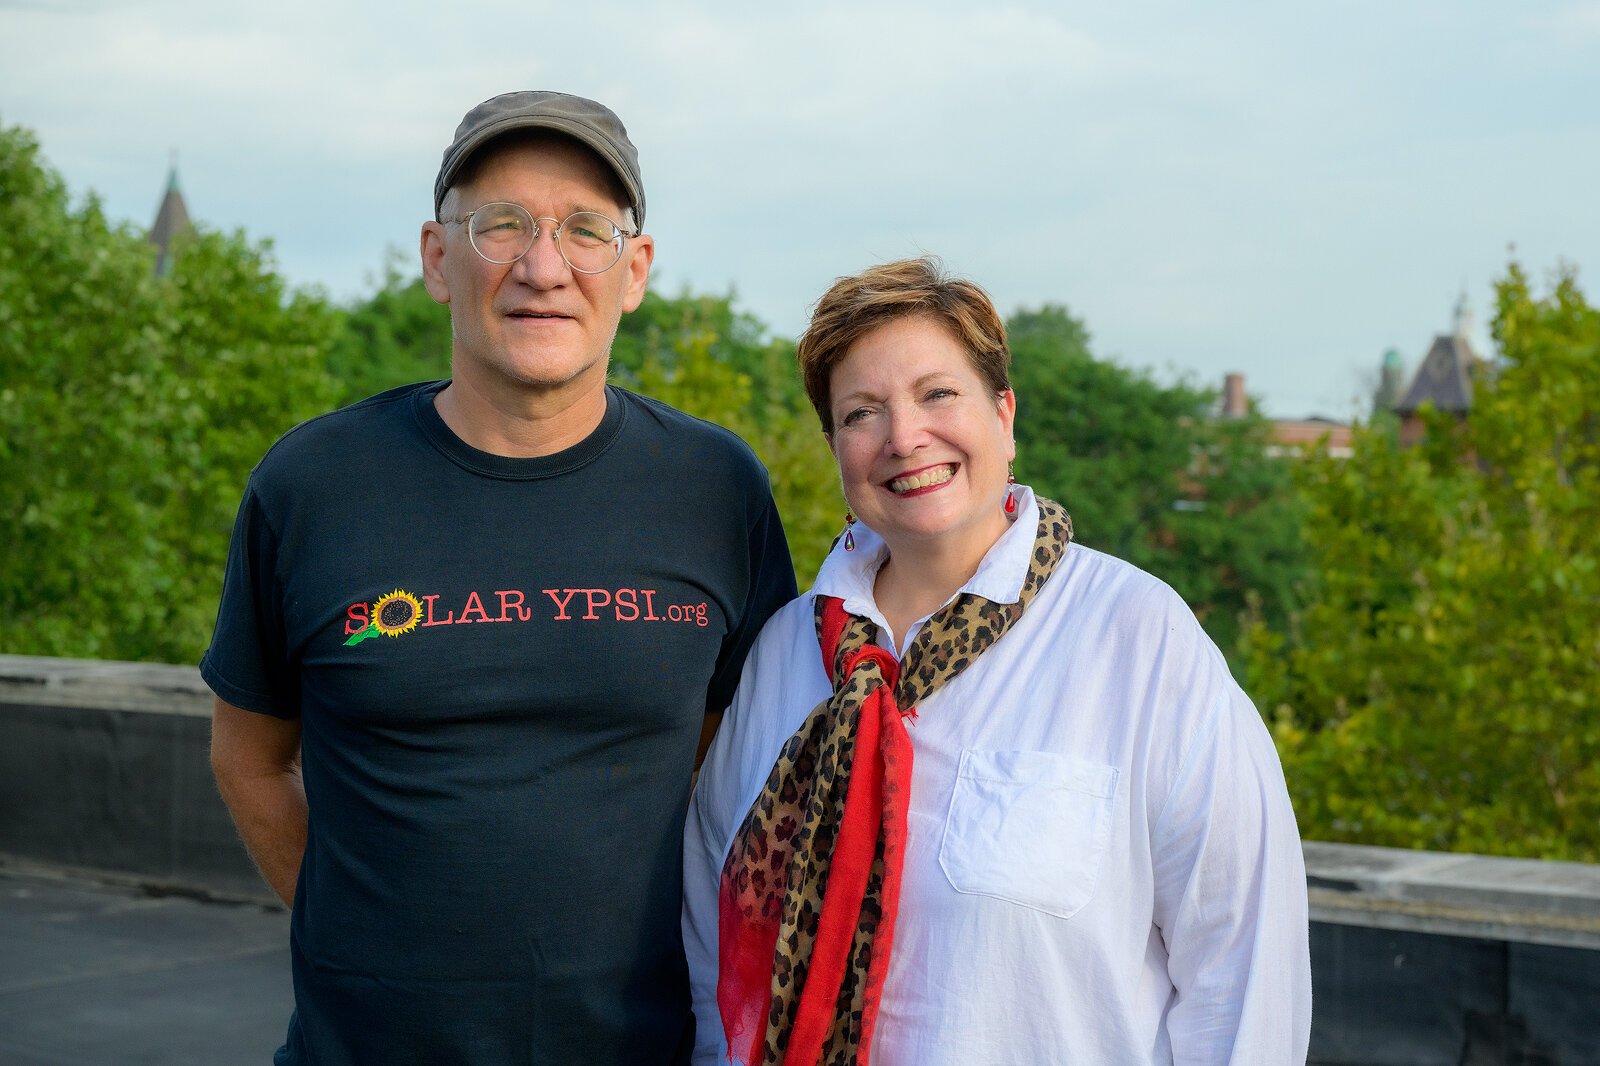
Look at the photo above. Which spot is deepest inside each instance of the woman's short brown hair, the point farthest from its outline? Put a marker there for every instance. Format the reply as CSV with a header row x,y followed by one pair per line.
x,y
856,305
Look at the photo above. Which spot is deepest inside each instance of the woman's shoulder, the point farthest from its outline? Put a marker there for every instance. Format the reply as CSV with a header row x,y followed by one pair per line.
x,y
1101,584
790,630
781,682
1119,618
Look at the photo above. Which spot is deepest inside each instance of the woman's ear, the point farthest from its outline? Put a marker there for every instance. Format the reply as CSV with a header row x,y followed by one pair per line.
x,y
1006,405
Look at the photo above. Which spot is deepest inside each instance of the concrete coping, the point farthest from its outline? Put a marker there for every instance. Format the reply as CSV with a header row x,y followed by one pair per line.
x,y
1523,900
156,688
1532,901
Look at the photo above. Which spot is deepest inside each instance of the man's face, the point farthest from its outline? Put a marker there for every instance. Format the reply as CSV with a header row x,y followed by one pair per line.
x,y
534,324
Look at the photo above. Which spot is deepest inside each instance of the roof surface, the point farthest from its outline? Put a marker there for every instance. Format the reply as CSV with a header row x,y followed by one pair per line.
x,y
98,973
1444,378
172,220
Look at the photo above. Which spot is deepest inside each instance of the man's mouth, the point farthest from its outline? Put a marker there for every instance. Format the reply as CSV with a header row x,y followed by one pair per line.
x,y
922,479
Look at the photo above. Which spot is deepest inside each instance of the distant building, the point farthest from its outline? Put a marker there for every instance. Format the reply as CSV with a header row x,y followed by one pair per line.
x,y
1391,381
172,221
1289,436
1444,379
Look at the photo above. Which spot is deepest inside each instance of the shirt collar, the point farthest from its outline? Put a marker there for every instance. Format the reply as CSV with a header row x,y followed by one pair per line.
x,y
849,575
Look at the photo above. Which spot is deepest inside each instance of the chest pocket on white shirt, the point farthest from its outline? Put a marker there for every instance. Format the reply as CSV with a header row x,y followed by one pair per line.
x,y
1030,827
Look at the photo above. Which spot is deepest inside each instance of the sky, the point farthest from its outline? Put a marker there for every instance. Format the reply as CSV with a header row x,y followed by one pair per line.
x,y
1282,190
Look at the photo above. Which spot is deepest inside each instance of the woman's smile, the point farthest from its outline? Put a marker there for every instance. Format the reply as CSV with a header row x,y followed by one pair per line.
x,y
927,479
923,443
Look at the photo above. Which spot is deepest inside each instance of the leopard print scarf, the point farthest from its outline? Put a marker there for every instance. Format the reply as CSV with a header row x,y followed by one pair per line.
x,y
811,884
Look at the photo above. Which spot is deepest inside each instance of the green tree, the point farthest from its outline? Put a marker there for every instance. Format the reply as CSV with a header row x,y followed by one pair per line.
x,y
396,336
131,410
1150,475
1441,687
666,325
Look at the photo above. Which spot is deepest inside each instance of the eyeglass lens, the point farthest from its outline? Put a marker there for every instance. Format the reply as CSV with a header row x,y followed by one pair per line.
x,y
589,241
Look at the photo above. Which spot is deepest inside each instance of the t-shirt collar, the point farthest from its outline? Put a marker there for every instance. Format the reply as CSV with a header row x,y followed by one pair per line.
x,y
516,468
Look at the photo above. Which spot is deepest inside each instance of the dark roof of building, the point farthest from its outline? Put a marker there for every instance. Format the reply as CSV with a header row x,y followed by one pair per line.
x,y
172,219
1444,378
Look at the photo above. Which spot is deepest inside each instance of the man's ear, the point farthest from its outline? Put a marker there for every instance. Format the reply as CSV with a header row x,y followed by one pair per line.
x,y
432,249
639,257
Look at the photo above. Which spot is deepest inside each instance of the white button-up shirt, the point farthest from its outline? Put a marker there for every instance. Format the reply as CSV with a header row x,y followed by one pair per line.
x,y
1102,866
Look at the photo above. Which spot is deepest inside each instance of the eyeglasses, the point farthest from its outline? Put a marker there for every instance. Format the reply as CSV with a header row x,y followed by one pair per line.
x,y
502,233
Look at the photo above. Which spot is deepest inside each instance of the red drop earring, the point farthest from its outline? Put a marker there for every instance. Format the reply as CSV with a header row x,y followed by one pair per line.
x,y
1011,494
849,537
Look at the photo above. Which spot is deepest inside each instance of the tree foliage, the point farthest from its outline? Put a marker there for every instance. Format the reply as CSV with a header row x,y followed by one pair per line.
x,y
396,336
1441,687
1151,475
131,410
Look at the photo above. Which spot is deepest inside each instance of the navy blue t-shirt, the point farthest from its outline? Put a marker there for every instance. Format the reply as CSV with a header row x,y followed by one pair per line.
x,y
501,667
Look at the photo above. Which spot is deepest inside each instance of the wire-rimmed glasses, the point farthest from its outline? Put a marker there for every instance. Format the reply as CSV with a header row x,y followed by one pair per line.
x,y
502,233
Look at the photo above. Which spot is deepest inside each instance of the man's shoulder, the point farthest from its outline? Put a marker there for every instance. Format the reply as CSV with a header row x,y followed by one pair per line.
x,y
683,431
338,432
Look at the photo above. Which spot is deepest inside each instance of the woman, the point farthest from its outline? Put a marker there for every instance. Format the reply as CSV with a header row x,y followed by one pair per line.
x,y
983,795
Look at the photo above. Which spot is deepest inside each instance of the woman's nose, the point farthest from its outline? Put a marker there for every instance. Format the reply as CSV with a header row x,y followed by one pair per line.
x,y
907,430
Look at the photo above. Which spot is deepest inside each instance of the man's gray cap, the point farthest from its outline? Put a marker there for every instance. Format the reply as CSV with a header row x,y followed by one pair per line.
x,y
595,125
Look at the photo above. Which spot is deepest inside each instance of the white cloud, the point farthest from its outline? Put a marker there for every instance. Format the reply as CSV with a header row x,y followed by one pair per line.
x,y
1285,191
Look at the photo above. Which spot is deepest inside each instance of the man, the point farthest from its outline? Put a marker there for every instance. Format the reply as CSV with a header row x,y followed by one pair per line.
x,y
470,633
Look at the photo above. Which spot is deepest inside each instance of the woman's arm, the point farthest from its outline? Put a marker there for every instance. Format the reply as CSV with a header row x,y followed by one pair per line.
x,y
781,682
704,835
1231,899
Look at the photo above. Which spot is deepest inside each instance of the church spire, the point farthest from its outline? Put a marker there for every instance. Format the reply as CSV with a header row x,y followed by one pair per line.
x,y
172,220
1463,315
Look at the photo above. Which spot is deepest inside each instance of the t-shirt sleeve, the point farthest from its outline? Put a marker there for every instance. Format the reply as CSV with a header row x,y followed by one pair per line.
x,y
247,662
771,585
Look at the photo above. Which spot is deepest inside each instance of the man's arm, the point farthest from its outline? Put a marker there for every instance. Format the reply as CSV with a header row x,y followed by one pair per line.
x,y
256,760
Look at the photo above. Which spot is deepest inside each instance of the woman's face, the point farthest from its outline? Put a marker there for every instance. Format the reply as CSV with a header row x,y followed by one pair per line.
x,y
922,443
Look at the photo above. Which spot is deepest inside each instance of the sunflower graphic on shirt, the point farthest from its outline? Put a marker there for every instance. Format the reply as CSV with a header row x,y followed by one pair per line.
x,y
394,614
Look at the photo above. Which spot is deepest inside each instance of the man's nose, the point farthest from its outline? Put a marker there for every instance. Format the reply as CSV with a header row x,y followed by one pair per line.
x,y
542,265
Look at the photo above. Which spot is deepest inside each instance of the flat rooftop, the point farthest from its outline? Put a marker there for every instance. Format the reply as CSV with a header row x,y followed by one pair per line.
x,y
97,973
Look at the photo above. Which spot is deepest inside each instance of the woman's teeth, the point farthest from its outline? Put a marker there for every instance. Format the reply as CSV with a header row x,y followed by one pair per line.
x,y
937,475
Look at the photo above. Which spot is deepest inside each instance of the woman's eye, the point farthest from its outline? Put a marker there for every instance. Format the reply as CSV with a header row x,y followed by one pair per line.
x,y
855,416
941,394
